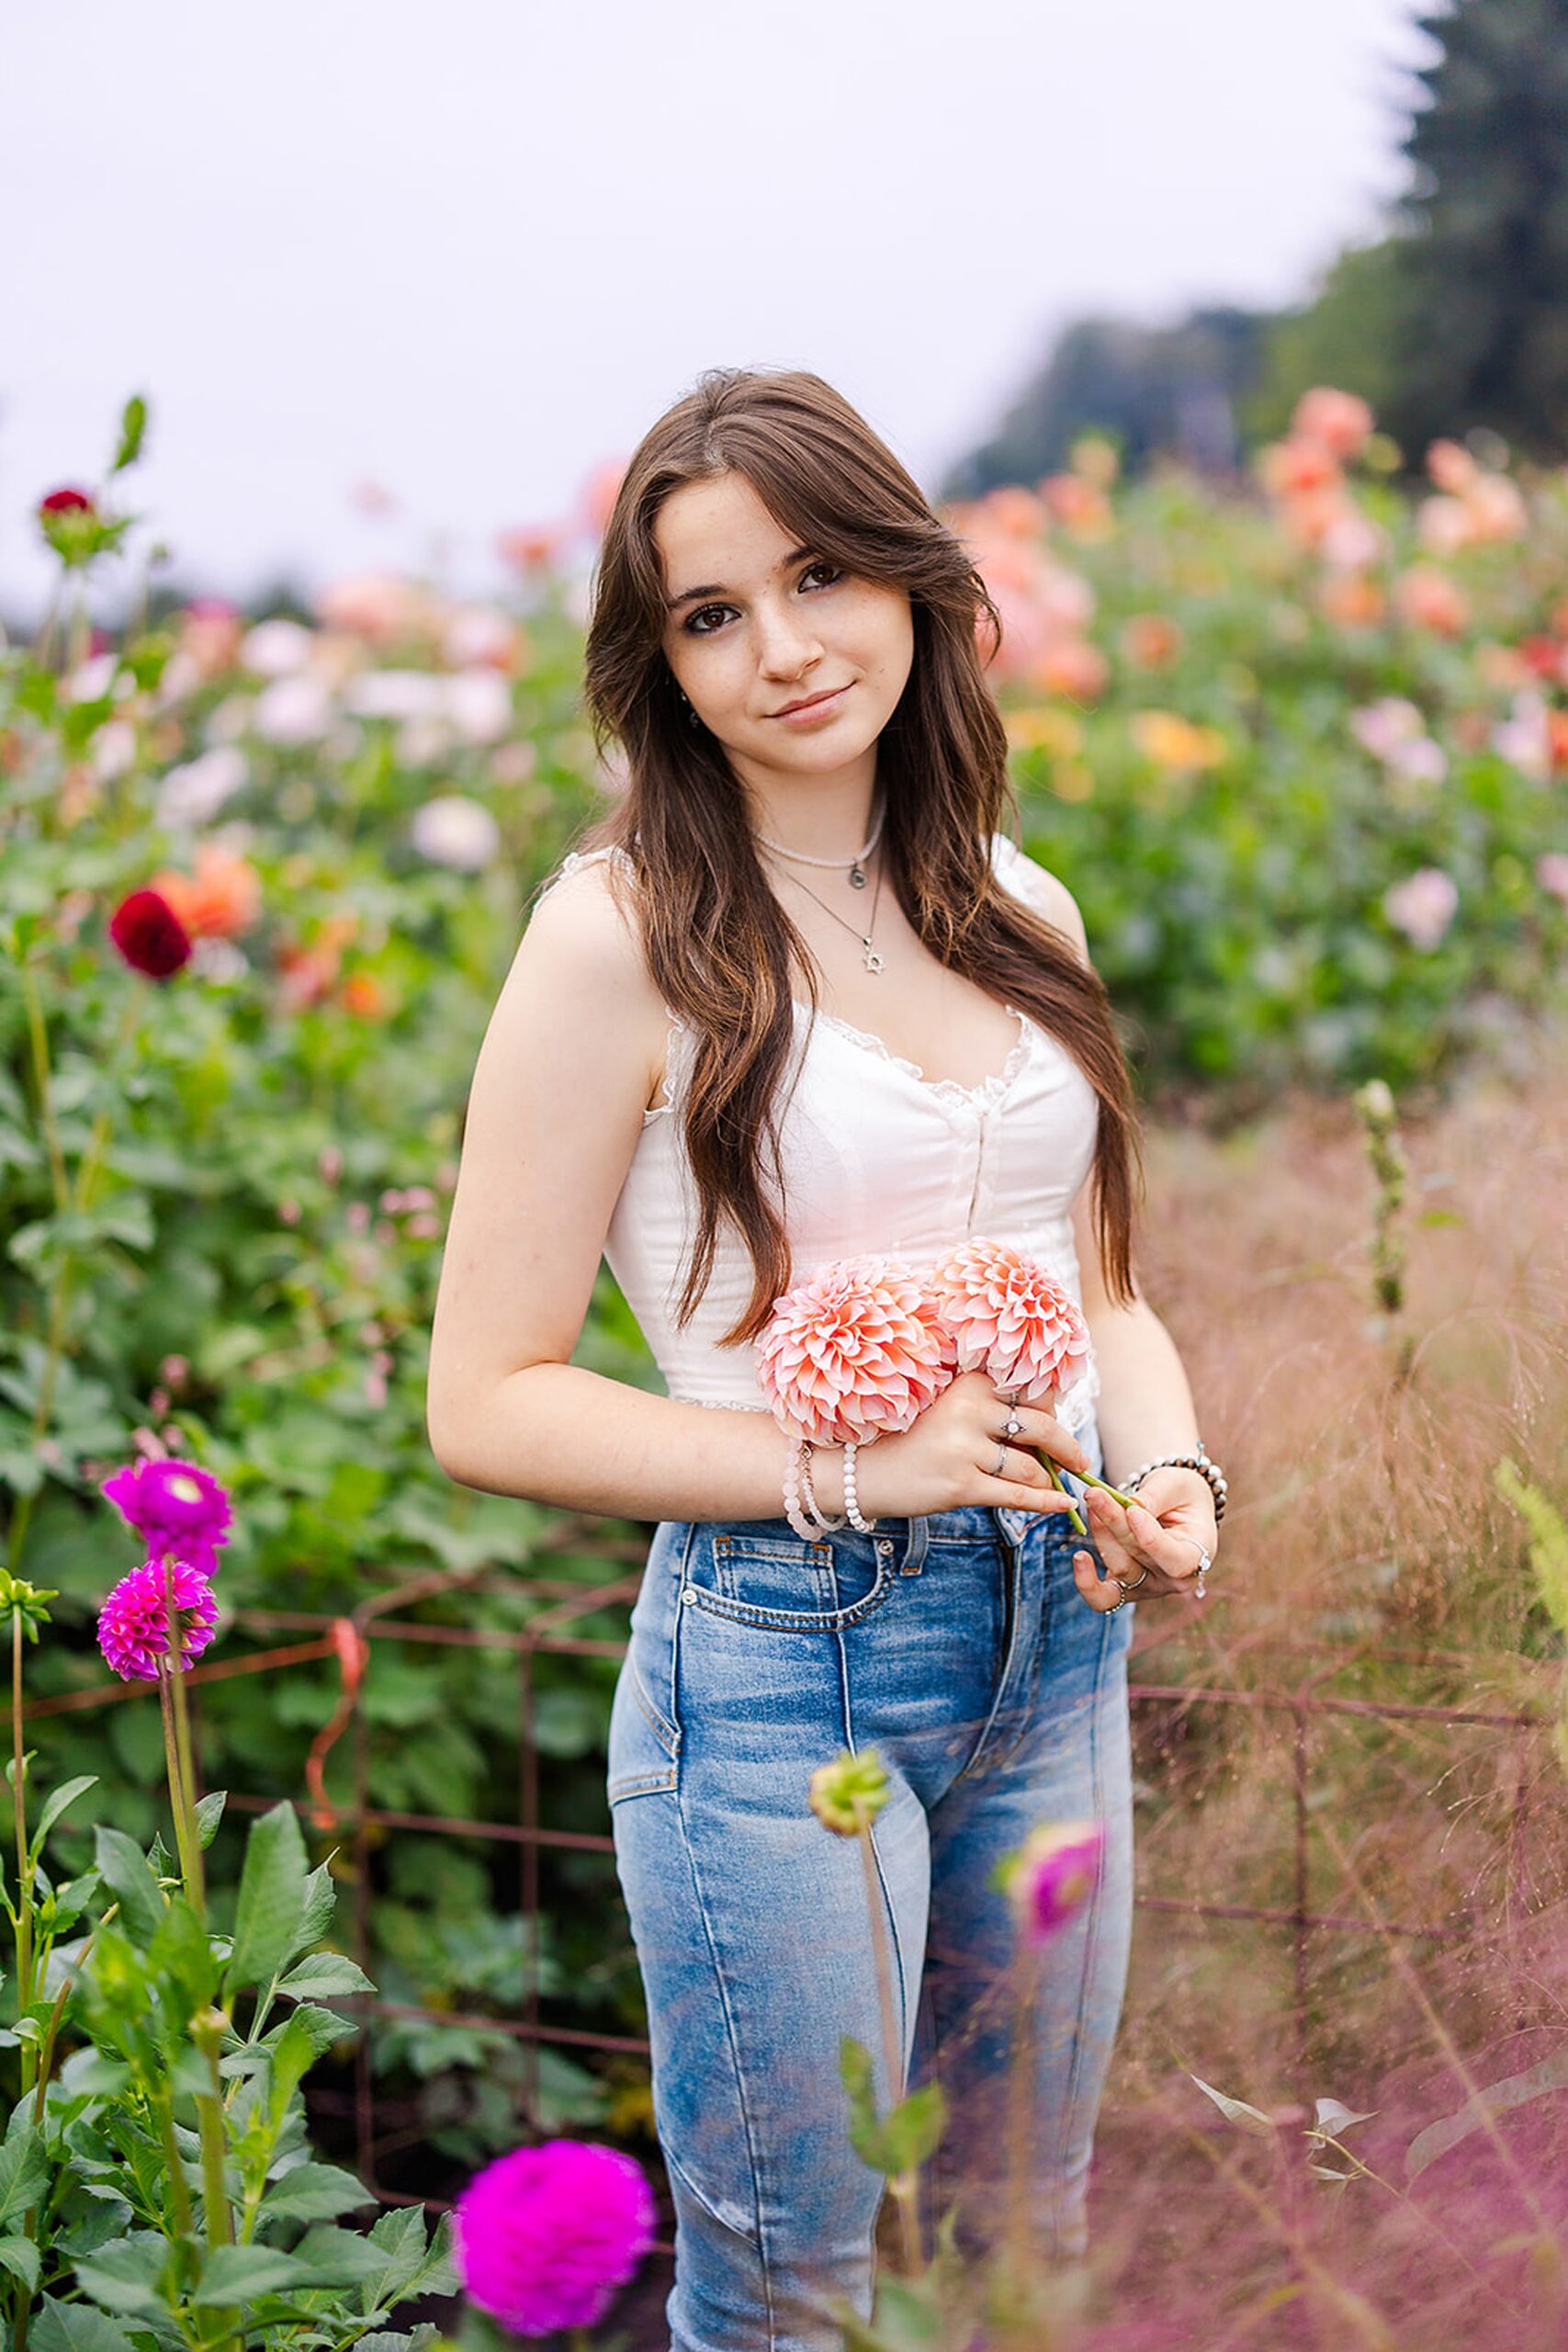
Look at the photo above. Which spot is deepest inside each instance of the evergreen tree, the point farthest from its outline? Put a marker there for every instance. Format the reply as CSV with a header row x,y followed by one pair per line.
x,y
1482,318
1152,388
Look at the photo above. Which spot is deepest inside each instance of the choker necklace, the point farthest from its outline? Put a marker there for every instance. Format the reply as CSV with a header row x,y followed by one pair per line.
x,y
855,863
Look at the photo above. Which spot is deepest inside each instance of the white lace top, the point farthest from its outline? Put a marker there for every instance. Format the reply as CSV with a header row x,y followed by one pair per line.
x,y
875,1157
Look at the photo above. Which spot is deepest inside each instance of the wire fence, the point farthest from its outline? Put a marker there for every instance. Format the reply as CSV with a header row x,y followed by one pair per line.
x,y
560,1607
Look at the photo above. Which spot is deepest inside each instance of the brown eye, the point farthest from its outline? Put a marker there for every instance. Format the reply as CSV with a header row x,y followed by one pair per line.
x,y
704,613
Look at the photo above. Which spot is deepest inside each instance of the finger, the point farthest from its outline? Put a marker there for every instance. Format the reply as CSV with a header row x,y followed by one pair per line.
x,y
1173,1553
1101,1592
1019,1494
1041,1428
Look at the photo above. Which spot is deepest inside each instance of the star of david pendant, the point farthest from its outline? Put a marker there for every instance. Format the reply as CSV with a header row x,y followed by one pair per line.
x,y
873,960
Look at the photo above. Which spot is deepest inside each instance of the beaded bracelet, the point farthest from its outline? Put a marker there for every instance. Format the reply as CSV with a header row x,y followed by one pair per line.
x,y
1207,1470
797,1483
852,1499
794,1454
826,1526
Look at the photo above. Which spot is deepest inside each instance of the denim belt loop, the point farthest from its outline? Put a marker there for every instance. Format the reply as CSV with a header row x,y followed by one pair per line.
x,y
917,1542
1014,1524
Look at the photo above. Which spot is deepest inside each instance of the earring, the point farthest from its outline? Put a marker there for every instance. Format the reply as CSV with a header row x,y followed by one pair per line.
x,y
692,718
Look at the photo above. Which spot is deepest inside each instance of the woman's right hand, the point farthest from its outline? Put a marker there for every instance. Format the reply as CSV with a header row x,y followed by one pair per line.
x,y
947,1459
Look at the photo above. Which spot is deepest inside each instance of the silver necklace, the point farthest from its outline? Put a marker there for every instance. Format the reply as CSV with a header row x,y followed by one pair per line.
x,y
871,959
855,863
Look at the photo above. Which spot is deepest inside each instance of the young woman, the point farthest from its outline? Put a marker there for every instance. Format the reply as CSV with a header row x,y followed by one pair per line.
x,y
802,998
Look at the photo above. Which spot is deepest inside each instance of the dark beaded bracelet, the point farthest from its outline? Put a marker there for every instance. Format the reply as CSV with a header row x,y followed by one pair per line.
x,y
1200,1462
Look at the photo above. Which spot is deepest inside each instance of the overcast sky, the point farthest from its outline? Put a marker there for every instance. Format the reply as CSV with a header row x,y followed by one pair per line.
x,y
469,253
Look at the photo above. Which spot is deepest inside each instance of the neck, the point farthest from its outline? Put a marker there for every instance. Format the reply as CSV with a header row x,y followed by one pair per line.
x,y
826,822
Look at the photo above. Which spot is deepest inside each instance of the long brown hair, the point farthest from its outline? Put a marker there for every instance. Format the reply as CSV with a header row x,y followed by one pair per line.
x,y
718,946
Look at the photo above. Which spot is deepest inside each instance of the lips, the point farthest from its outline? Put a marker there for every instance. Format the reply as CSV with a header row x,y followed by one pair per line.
x,y
809,702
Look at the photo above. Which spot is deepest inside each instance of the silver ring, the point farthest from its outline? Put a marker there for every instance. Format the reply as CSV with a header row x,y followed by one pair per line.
x,y
1115,1604
1205,1559
1013,1424
1142,1577
1002,1460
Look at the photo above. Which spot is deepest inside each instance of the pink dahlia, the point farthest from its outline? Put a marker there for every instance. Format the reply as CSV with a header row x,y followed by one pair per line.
x,y
1051,1876
1011,1319
133,1624
546,2235
858,1351
174,1507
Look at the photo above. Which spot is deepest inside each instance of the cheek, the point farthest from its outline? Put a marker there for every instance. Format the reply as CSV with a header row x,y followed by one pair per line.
x,y
887,634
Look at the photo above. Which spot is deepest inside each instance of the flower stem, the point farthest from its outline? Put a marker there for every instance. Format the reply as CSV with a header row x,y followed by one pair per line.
x,y
902,2184
38,1039
24,1876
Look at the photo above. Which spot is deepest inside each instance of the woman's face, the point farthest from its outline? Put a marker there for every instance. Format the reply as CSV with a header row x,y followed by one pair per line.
x,y
755,624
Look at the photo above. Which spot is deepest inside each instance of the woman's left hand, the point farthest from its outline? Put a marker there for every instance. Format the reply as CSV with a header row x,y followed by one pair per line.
x,y
1171,1515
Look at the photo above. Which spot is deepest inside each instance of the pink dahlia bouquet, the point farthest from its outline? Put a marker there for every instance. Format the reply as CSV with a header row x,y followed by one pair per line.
x,y
857,1353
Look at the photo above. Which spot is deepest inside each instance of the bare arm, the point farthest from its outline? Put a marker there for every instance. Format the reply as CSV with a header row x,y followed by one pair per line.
x,y
1146,1406
566,1069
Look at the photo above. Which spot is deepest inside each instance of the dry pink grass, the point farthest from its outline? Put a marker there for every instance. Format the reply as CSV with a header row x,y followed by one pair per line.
x,y
1368,1558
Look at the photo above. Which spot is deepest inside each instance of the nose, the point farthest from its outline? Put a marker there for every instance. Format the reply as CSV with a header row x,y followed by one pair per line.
x,y
787,647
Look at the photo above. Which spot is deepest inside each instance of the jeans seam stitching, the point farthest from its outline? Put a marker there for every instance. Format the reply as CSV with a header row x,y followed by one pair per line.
x,y
1091,1934
746,2119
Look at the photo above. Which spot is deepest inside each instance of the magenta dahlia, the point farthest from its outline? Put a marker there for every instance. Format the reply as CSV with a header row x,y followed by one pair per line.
x,y
173,1506
546,2235
1052,1874
133,1623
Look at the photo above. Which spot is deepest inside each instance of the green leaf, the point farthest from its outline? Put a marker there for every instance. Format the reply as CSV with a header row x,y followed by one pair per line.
x,y
234,2274
23,2170
272,1898
314,2193
293,2052
1497,2098
1250,2119
324,1973
20,2257
76,2327
124,1868
126,2275
132,426
333,2257
315,1911
412,2266
208,1813
55,1805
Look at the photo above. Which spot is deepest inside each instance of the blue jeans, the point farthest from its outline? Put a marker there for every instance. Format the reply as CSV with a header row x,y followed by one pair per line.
x,y
958,1646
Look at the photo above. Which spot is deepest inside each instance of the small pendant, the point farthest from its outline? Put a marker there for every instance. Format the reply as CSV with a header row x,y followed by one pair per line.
x,y
873,960
857,878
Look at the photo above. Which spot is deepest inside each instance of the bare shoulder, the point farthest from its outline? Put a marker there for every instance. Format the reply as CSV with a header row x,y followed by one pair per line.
x,y
1045,891
582,950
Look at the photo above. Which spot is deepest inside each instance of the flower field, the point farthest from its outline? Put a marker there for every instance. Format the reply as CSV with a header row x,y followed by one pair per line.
x,y
1300,755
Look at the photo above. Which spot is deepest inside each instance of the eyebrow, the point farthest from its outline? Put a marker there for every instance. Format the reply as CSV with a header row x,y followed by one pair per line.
x,y
717,588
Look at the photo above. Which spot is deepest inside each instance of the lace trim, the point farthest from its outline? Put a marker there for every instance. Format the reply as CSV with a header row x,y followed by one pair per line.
x,y
946,1089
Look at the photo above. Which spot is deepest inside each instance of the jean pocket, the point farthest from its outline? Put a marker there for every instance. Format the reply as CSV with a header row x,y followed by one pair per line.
x,y
644,1747
781,1583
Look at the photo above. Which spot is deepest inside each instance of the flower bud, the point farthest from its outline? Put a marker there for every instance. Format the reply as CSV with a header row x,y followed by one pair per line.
x,y
848,1793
